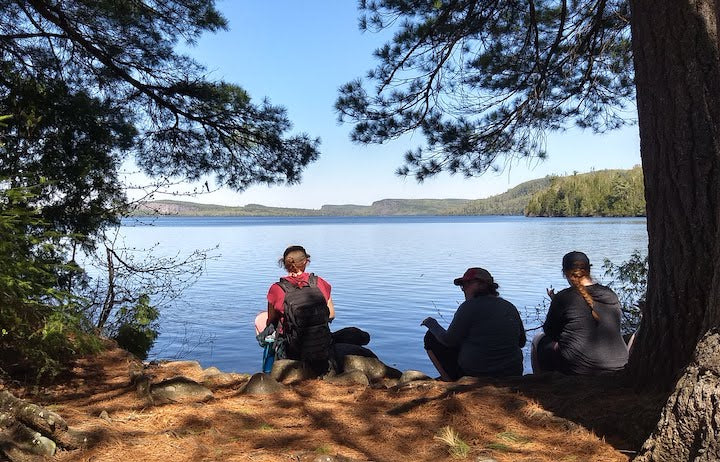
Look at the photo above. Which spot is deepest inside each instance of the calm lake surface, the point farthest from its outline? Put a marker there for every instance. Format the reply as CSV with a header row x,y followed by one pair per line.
x,y
387,274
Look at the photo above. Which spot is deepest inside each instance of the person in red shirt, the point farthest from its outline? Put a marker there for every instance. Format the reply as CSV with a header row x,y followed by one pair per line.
x,y
295,260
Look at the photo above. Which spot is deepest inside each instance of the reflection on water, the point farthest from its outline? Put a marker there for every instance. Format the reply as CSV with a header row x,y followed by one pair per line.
x,y
387,273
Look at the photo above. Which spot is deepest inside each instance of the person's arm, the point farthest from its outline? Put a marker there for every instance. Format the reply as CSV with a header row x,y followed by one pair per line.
x,y
273,315
551,292
435,328
275,293
455,333
459,326
522,338
331,307
553,324
326,288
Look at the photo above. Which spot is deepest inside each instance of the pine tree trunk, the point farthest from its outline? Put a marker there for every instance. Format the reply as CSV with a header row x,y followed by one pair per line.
x,y
677,68
678,92
689,428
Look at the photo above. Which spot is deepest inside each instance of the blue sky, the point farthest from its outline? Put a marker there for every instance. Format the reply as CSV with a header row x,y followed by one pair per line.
x,y
298,54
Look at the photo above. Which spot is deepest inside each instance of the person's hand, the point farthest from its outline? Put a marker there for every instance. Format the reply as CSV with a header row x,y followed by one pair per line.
x,y
550,292
427,321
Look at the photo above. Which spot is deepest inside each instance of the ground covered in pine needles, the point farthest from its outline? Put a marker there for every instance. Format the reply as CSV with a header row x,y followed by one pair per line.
x,y
534,418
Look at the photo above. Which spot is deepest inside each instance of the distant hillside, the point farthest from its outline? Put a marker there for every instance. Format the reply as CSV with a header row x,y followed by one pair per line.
x,y
511,202
605,193
385,207
389,207
181,208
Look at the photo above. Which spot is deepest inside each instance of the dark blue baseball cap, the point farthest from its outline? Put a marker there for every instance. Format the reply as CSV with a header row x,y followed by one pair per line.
x,y
575,260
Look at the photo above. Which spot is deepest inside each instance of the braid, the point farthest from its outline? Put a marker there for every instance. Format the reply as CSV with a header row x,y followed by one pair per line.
x,y
294,266
575,275
294,259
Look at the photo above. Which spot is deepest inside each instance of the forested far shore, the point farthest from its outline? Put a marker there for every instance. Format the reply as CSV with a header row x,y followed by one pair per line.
x,y
607,193
616,193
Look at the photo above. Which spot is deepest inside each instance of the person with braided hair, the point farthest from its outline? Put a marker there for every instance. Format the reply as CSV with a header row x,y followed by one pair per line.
x,y
581,334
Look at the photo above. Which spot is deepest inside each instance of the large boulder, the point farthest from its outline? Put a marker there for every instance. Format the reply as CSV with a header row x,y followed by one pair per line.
x,y
373,368
412,376
347,349
261,384
353,377
178,390
291,371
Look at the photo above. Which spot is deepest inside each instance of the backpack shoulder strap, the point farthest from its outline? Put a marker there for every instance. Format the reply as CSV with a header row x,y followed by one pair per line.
x,y
312,280
285,285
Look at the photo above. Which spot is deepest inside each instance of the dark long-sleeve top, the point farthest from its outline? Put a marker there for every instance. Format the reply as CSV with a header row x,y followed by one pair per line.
x,y
587,346
489,335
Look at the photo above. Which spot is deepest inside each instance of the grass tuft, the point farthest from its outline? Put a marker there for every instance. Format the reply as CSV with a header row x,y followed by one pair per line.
x,y
513,437
456,446
500,447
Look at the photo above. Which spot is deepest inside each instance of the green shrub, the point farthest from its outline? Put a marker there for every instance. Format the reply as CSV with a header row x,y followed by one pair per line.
x,y
41,327
629,281
137,327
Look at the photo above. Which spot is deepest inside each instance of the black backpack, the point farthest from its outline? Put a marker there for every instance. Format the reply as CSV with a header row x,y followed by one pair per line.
x,y
305,329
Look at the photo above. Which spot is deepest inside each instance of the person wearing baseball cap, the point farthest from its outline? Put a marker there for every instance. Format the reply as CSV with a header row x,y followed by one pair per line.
x,y
485,337
581,333
473,274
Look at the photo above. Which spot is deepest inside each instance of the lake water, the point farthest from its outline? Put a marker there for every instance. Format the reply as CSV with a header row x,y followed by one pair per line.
x,y
387,274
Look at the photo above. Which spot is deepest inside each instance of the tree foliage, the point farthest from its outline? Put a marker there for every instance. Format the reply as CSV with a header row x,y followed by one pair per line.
x,y
629,280
484,81
138,327
41,325
608,193
87,85
66,145
122,56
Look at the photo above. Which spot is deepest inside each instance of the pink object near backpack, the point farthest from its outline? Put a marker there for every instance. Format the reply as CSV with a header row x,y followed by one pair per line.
x,y
260,322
